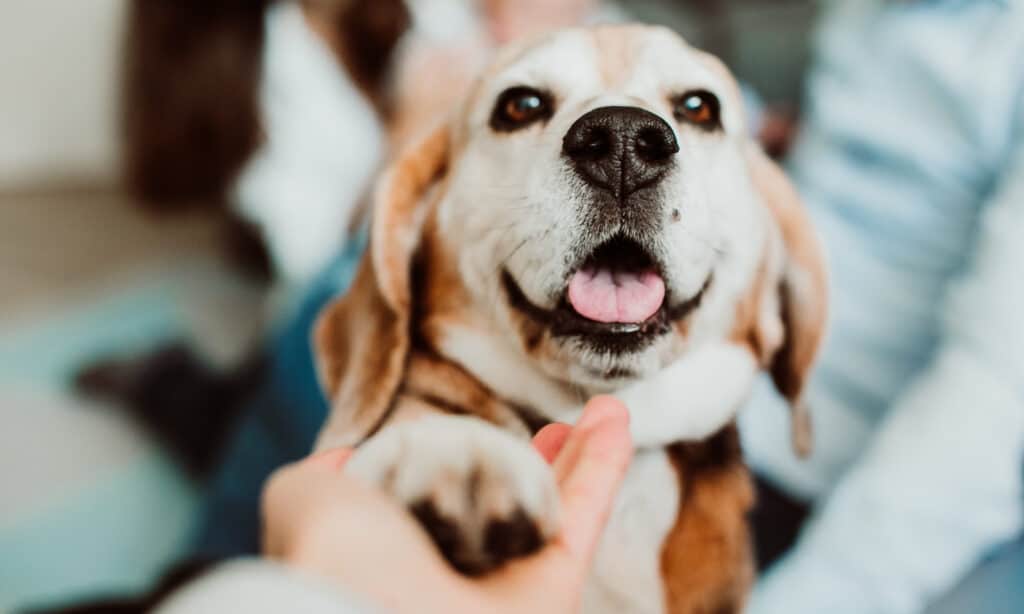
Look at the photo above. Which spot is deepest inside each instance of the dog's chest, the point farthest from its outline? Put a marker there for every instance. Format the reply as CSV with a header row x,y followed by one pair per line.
x,y
627,571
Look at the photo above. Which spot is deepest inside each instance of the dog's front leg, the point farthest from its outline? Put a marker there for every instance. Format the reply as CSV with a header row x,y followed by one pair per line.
x,y
484,495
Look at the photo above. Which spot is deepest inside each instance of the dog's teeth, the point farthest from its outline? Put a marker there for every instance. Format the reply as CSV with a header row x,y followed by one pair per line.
x,y
624,329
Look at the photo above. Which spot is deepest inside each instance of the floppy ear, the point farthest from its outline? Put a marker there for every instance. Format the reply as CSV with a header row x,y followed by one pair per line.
x,y
802,292
361,341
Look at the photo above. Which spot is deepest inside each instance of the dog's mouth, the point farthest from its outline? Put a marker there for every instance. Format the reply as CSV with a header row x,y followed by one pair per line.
x,y
616,300
617,284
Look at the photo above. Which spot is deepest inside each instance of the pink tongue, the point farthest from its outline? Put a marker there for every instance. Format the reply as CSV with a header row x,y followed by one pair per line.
x,y
605,296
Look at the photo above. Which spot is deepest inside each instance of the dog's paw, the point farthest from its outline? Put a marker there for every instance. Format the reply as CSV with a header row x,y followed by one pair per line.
x,y
484,496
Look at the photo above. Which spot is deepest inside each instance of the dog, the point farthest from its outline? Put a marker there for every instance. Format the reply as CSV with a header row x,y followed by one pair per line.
x,y
593,219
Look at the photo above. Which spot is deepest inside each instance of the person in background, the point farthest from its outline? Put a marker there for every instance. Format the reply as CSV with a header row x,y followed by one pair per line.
x,y
911,161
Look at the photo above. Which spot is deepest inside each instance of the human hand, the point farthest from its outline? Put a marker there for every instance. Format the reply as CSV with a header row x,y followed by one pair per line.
x,y
319,520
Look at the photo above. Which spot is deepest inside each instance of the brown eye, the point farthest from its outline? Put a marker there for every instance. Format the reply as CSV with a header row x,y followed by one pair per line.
x,y
520,107
700,108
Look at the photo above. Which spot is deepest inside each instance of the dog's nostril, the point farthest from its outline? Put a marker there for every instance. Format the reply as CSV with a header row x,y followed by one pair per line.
x,y
592,143
599,144
655,144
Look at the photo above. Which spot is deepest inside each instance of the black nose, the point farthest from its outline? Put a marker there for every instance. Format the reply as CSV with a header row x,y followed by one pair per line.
x,y
620,149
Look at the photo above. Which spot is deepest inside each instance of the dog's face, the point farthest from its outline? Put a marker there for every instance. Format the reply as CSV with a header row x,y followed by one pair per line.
x,y
595,209
600,198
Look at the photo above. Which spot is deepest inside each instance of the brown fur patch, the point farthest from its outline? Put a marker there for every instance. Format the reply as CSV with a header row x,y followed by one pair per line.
x,y
400,212
804,300
361,347
682,328
803,291
362,341
441,300
377,347
449,388
535,337
748,325
706,561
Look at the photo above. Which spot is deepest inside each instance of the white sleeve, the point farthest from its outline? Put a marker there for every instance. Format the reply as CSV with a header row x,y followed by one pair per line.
x,y
257,587
942,482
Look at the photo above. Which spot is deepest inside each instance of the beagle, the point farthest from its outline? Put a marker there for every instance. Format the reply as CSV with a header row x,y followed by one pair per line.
x,y
594,219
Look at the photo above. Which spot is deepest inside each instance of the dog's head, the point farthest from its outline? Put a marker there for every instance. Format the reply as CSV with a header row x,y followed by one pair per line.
x,y
596,203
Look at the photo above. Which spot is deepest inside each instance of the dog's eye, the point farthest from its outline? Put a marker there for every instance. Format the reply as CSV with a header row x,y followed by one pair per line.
x,y
700,108
520,107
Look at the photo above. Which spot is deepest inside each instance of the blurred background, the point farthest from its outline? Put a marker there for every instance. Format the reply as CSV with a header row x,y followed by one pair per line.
x,y
174,175
89,503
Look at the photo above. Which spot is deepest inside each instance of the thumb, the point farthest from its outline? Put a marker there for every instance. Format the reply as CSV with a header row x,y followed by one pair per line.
x,y
596,458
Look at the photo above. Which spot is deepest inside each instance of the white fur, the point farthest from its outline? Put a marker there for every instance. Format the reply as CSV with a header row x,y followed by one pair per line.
x,y
323,143
691,399
627,571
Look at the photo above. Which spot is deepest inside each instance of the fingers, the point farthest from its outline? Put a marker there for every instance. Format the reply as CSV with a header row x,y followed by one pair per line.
x,y
550,440
597,410
590,469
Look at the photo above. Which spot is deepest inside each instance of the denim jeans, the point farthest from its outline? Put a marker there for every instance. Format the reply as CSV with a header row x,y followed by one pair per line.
x,y
278,427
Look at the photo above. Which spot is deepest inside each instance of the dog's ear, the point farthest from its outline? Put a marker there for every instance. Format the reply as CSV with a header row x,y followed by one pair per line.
x,y
802,291
361,342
